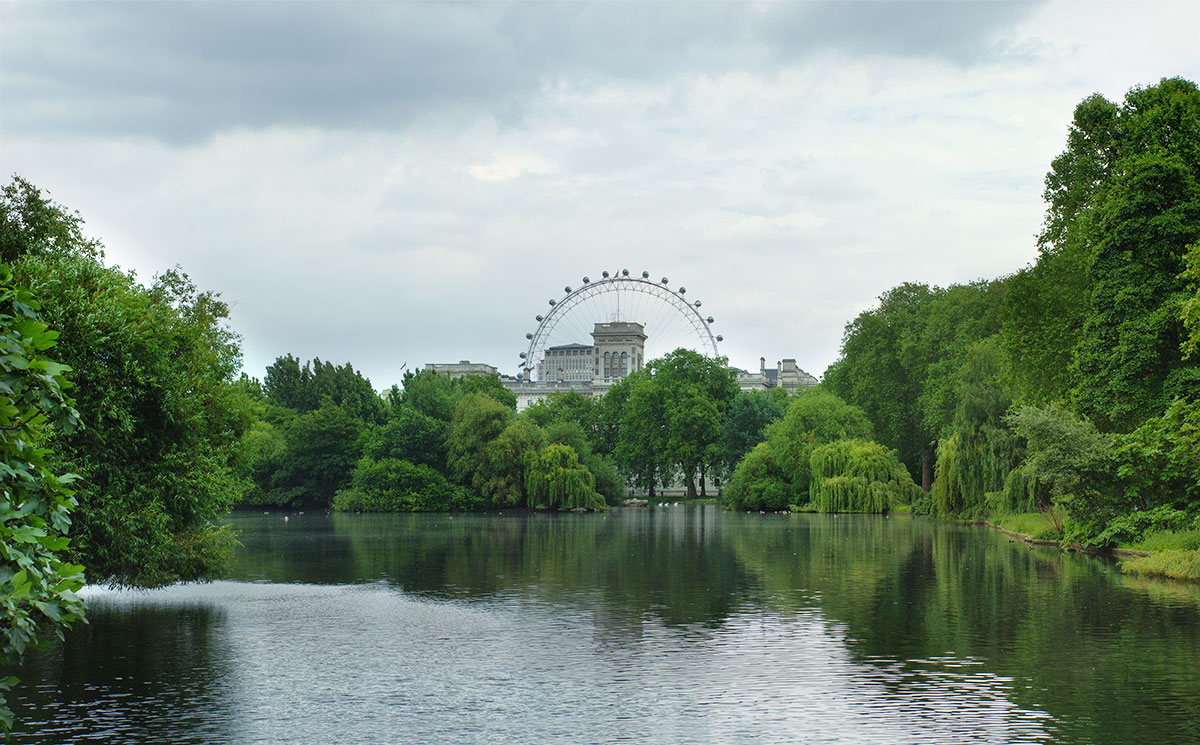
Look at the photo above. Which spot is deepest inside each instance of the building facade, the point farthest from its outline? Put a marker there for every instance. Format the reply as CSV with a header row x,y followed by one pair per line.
x,y
461,368
786,375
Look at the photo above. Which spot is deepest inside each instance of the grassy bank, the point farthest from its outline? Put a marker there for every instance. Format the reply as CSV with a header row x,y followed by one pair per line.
x,y
1171,554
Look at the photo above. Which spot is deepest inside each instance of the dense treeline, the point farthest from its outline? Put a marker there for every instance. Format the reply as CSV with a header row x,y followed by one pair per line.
x,y
324,438
1073,385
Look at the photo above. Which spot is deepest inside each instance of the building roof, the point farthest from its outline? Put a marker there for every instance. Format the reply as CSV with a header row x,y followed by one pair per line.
x,y
570,346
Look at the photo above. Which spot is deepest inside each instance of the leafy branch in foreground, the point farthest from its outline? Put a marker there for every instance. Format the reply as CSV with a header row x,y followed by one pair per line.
x,y
37,587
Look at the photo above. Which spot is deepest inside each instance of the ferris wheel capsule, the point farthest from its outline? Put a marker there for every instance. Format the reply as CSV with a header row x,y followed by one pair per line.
x,y
604,274
523,355
720,338
664,280
645,275
553,301
682,290
529,336
539,319
586,280
624,272
567,289
709,319
697,303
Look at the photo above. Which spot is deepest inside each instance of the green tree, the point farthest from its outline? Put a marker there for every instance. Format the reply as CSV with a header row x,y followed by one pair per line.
x,y
163,420
745,424
980,449
1075,462
1129,360
1095,323
429,393
304,387
478,419
32,225
37,586
778,472
506,460
672,419
870,373
1191,306
608,481
814,417
321,448
409,435
557,480
851,475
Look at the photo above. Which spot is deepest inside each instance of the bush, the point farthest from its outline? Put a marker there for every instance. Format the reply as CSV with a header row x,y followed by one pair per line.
x,y
393,485
1132,527
758,483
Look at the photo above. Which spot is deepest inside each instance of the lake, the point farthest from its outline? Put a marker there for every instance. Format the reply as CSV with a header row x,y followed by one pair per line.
x,y
670,624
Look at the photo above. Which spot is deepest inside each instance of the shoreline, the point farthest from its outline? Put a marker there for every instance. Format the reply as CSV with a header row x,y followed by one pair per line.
x,y
1180,565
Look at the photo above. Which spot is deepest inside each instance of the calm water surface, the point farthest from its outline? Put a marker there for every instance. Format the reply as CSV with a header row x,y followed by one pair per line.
x,y
661,625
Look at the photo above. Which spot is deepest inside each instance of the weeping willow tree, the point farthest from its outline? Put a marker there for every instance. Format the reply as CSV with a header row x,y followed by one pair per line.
x,y
858,476
555,479
975,460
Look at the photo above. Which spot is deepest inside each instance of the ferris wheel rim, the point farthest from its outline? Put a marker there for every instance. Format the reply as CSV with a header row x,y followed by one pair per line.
x,y
559,309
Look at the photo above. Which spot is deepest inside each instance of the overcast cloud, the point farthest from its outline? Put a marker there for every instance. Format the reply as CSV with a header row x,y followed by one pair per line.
x,y
391,183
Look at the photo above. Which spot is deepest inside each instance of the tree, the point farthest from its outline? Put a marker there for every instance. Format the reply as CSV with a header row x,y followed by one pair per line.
x,y
608,481
1129,361
745,423
37,586
304,387
1076,463
1191,306
778,472
32,225
162,419
321,448
409,435
557,480
641,441
870,373
672,419
850,475
1096,323
394,485
979,449
478,419
815,417
506,461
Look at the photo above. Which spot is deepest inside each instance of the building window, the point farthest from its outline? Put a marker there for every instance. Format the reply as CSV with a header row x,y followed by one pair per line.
x,y
624,364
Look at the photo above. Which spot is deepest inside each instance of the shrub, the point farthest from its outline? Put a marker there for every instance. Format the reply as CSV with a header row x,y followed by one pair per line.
x,y
393,485
758,482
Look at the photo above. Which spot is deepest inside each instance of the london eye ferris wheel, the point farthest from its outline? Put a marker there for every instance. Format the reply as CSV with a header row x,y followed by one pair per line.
x,y
670,320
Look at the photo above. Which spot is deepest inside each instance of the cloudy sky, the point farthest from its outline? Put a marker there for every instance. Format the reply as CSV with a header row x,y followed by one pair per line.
x,y
384,183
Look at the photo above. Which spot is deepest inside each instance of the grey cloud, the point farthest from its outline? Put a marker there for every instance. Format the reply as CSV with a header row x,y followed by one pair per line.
x,y
179,72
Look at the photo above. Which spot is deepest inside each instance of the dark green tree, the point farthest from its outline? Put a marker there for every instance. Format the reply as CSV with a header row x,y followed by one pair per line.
x,y
163,420
303,388
321,448
744,425
409,435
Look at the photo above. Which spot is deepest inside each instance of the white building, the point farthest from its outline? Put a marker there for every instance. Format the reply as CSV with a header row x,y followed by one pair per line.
x,y
461,368
786,374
